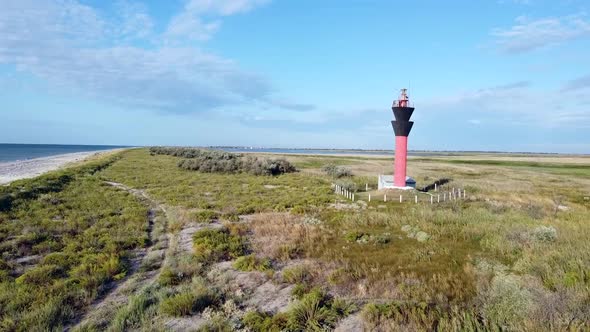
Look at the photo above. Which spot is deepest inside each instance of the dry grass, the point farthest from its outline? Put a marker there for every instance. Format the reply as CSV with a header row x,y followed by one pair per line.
x,y
282,236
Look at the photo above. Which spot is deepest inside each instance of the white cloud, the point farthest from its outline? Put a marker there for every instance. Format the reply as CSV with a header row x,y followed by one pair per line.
x,y
134,20
577,84
515,104
80,50
199,19
223,7
528,35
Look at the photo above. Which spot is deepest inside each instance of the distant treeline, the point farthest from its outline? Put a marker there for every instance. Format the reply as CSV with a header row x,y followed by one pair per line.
x,y
212,161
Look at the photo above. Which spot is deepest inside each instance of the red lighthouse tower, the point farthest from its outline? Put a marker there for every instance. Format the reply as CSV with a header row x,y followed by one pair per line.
x,y
401,127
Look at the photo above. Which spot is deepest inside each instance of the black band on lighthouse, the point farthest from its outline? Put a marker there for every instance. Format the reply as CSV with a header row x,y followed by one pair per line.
x,y
402,128
402,113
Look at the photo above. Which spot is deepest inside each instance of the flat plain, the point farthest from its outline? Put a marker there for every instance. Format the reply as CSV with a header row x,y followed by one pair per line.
x,y
132,241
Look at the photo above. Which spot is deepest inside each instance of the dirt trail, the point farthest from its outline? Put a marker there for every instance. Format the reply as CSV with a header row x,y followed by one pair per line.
x,y
144,270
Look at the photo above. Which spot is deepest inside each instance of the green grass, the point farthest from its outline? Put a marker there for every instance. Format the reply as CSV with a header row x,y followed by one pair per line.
x,y
80,233
576,170
213,245
508,259
227,194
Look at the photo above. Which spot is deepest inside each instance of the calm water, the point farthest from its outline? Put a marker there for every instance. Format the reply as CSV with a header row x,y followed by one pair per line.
x,y
327,152
12,152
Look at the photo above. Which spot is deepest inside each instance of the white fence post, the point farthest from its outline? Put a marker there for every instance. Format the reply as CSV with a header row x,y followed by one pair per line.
x,y
385,198
369,197
416,199
400,198
431,199
464,194
438,198
353,197
444,197
366,187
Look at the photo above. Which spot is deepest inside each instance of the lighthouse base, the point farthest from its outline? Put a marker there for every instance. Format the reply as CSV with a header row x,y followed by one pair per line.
x,y
386,182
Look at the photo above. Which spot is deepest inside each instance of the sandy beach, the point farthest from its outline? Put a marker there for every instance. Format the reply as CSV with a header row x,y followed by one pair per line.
x,y
24,169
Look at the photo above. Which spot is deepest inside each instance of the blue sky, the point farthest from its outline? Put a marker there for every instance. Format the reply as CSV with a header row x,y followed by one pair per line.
x,y
503,75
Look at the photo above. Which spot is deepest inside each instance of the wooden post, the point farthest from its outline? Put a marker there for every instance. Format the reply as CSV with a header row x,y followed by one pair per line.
x,y
444,197
435,189
401,198
464,194
353,197
431,199
369,197
366,187
438,198
416,199
385,198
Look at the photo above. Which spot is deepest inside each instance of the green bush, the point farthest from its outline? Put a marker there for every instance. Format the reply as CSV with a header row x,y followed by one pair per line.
x,y
192,299
299,291
347,185
263,322
139,309
296,274
178,305
41,275
354,236
336,171
168,277
315,312
204,216
213,245
213,161
252,263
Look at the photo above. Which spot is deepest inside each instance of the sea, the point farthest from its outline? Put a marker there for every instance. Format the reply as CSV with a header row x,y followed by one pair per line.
x,y
14,152
328,151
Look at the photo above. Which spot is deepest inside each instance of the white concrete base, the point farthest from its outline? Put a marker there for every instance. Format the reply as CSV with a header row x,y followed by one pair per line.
x,y
386,182
400,188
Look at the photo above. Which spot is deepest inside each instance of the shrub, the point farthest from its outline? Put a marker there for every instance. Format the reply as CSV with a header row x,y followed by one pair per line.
x,y
507,302
178,305
192,299
336,171
212,245
545,234
212,161
252,263
263,322
132,315
299,291
168,277
41,275
296,274
315,312
204,216
347,185
354,236
384,238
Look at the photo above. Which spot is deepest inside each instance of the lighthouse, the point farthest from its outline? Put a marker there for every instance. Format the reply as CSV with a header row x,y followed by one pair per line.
x,y
401,127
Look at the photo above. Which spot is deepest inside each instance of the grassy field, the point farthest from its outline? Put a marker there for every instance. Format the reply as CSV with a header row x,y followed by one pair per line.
x,y
284,253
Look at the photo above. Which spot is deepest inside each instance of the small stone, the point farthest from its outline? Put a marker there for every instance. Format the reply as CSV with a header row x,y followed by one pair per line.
x,y
422,236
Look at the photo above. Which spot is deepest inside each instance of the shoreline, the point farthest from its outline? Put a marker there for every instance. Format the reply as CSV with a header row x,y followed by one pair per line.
x,y
29,168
